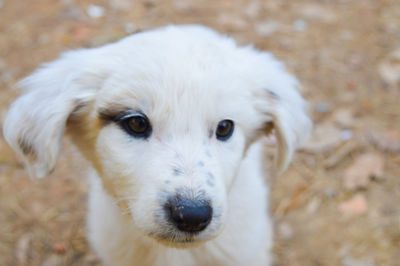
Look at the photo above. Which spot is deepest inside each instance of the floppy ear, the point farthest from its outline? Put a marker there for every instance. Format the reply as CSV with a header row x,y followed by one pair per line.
x,y
35,123
284,110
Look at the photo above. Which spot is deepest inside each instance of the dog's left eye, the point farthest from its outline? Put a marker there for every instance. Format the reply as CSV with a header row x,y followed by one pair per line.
x,y
137,125
224,129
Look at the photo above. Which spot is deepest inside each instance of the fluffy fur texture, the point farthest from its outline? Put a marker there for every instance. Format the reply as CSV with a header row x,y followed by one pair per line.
x,y
185,79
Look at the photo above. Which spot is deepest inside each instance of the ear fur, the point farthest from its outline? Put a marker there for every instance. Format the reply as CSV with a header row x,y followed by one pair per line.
x,y
35,123
280,103
292,127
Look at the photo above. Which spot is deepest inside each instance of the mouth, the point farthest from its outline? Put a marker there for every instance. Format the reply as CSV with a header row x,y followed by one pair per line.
x,y
168,234
177,239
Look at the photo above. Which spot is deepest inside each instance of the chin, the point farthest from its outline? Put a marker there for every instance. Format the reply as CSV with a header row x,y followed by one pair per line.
x,y
180,242
170,236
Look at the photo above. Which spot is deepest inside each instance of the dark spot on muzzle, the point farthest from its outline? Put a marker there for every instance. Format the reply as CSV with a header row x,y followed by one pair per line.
x,y
210,179
177,171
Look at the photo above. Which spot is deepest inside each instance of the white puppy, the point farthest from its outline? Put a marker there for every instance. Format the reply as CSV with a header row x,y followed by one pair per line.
x,y
171,121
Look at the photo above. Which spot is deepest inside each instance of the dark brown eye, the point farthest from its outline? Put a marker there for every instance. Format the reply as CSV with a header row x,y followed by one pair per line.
x,y
224,129
137,125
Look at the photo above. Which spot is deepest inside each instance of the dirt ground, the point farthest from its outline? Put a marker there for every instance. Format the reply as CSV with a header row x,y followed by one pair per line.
x,y
339,202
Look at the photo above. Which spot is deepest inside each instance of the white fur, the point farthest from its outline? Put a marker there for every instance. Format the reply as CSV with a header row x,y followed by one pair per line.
x,y
185,79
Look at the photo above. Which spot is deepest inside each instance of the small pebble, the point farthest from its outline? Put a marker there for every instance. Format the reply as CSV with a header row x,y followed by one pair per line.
x,y
343,117
267,28
323,107
330,192
130,27
182,6
346,134
120,4
285,230
389,72
95,11
252,10
313,206
300,25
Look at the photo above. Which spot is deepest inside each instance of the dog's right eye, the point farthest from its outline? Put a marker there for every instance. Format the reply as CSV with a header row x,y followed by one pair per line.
x,y
137,125
224,129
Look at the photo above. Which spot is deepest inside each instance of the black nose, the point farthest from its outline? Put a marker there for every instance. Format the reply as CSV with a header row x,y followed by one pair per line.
x,y
190,215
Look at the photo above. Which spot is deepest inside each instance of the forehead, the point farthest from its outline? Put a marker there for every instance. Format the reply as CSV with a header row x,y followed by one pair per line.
x,y
177,73
176,89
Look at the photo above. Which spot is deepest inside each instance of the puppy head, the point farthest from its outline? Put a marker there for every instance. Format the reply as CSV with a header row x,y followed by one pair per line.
x,y
165,117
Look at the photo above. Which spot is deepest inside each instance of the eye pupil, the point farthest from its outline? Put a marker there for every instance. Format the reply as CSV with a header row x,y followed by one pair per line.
x,y
137,125
224,129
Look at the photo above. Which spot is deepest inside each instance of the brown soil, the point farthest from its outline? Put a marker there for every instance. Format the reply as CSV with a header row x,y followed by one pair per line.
x,y
342,52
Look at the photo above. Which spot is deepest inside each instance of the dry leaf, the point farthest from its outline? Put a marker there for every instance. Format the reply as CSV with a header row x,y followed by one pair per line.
x,y
22,249
389,72
362,170
121,4
340,154
59,247
325,137
53,260
356,205
389,69
318,12
343,117
388,140
81,32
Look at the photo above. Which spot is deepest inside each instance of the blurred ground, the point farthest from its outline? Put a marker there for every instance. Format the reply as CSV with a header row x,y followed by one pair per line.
x,y
338,204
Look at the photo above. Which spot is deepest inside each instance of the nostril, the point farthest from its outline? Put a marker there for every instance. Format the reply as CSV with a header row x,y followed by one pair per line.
x,y
191,215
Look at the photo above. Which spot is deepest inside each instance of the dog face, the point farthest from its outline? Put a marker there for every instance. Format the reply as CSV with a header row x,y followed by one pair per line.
x,y
170,141
165,117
